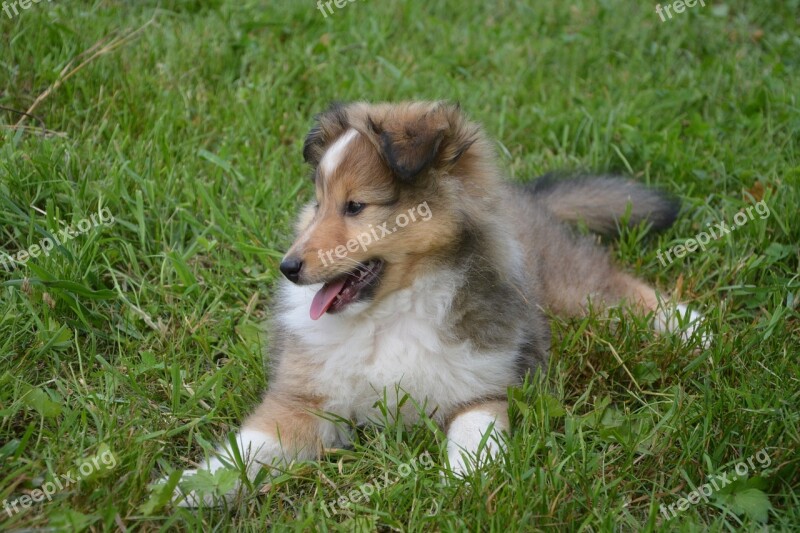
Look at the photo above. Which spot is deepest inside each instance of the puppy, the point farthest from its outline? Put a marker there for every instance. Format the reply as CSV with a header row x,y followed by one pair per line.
x,y
418,271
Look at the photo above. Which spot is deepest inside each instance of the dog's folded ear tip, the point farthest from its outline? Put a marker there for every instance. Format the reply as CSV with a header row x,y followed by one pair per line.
x,y
412,153
327,126
373,126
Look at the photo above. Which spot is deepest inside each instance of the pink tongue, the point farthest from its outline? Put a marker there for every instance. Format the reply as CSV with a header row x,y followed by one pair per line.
x,y
324,298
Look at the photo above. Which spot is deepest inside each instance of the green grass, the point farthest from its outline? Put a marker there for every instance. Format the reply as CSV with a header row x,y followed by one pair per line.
x,y
143,336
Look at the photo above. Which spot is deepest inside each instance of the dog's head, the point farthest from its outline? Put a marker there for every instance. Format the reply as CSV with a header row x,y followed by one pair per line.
x,y
389,179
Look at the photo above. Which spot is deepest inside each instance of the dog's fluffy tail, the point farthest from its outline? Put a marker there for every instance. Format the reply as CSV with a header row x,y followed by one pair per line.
x,y
601,202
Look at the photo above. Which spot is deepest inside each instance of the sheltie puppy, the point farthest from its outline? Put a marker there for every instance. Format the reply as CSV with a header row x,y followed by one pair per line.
x,y
418,271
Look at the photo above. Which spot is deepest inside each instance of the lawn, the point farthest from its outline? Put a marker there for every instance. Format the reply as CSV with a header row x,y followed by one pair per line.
x,y
164,146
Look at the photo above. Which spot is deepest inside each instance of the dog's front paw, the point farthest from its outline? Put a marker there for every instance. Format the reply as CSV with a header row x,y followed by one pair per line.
x,y
183,496
221,479
463,462
690,325
204,488
460,463
214,485
468,446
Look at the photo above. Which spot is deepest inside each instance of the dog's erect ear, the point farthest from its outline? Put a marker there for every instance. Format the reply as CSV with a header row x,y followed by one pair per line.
x,y
414,141
329,124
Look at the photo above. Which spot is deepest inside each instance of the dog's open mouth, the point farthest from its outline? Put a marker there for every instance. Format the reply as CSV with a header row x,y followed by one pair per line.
x,y
340,292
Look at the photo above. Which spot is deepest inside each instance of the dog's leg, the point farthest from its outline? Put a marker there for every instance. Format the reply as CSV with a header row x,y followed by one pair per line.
x,y
579,273
668,317
282,429
469,427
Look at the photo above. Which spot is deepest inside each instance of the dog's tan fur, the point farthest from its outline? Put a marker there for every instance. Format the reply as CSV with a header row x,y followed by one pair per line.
x,y
462,151
510,252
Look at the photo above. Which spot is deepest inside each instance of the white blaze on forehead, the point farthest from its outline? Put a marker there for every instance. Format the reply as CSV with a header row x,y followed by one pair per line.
x,y
335,153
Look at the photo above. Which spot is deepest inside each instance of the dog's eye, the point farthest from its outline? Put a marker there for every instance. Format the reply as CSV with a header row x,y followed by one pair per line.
x,y
353,208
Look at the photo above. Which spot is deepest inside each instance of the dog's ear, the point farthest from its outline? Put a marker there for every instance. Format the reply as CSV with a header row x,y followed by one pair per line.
x,y
329,125
410,148
414,141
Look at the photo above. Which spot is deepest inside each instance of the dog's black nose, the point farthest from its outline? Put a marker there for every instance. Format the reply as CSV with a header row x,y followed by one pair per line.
x,y
290,267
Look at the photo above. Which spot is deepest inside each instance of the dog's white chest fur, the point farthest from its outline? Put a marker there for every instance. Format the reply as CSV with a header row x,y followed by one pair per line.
x,y
400,346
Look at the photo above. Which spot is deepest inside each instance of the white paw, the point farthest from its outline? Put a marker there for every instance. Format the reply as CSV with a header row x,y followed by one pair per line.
x,y
219,481
213,485
678,319
195,498
464,438
460,462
